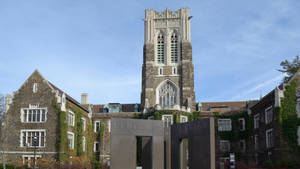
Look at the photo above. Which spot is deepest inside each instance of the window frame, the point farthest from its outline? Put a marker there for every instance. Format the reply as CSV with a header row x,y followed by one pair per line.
x,y
35,87
95,126
71,147
83,123
96,142
26,137
28,117
166,122
72,122
256,120
160,71
267,120
160,49
269,143
83,143
220,128
221,147
244,124
30,157
174,48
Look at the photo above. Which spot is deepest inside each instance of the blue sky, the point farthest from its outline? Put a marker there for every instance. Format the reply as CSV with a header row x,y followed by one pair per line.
x,y
95,46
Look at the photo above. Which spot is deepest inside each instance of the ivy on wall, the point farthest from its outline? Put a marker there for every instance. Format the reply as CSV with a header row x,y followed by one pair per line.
x,y
236,134
287,117
63,145
157,115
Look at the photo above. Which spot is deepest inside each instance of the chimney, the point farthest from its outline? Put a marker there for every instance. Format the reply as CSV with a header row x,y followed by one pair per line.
x,y
84,98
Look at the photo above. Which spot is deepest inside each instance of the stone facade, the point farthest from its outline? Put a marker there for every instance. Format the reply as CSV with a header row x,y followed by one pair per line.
x,y
179,73
13,125
37,95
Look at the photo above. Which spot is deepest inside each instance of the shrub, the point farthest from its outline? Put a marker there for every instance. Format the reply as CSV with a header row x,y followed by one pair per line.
x,y
268,164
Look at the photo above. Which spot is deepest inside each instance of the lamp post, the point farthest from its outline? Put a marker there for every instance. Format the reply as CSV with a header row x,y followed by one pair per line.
x,y
34,151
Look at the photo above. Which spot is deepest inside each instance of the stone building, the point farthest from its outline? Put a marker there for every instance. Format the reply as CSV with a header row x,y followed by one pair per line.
x,y
276,123
41,116
168,69
65,128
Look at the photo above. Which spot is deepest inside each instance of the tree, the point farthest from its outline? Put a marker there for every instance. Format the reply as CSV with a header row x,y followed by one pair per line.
x,y
2,111
290,68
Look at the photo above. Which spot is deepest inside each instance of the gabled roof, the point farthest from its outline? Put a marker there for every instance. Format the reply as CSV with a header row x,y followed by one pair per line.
x,y
68,97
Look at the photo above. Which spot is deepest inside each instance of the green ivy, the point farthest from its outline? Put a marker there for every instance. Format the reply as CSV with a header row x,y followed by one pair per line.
x,y
236,135
288,116
157,115
63,126
63,146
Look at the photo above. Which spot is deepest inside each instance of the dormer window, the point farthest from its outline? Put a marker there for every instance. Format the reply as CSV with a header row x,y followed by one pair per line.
x,y
34,88
160,49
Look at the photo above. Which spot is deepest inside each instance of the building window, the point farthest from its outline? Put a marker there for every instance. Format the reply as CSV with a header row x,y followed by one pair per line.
x,y
167,120
243,145
28,159
174,71
269,138
167,95
256,142
96,146
33,115
256,121
160,49
31,138
83,124
183,119
268,115
71,140
174,48
35,87
224,124
224,145
242,124
160,71
97,126
83,143
71,118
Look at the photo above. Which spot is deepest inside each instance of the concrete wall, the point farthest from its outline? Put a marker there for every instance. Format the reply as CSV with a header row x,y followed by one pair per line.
x,y
123,142
201,144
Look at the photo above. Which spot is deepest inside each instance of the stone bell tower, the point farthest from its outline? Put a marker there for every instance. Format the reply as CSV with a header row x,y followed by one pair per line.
x,y
168,70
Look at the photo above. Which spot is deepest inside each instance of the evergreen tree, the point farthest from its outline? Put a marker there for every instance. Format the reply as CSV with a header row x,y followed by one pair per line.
x,y
290,68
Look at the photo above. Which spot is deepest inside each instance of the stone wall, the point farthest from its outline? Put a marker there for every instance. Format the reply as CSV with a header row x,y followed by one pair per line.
x,y
13,125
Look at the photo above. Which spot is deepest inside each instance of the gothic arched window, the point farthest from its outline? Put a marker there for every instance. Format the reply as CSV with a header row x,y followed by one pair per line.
x,y
174,48
160,49
168,95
